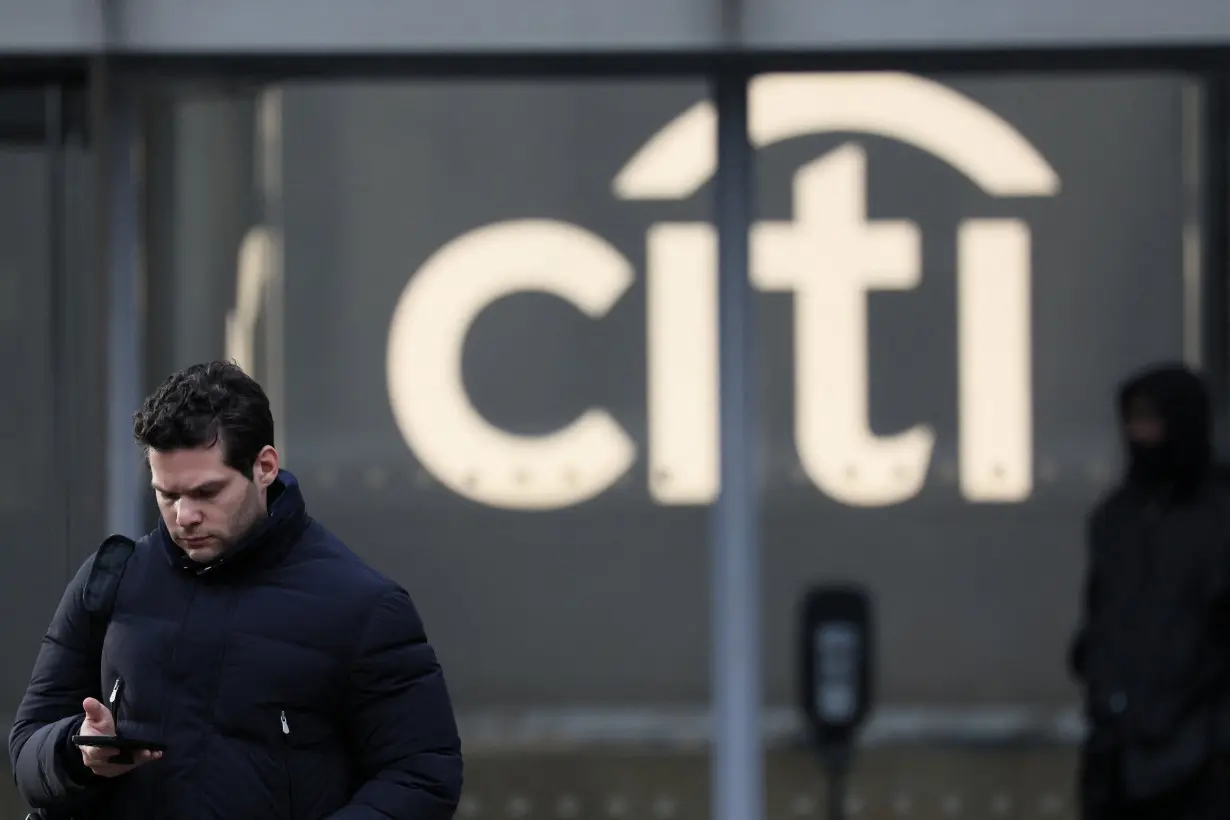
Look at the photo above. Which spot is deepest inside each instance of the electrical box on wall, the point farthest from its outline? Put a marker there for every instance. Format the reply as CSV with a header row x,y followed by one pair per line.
x,y
837,646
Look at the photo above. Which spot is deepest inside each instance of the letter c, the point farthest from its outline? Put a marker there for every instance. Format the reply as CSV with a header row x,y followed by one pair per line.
x,y
442,427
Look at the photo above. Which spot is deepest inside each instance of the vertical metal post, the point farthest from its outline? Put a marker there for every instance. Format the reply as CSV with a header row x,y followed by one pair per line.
x,y
119,192
737,786
1214,253
838,772
1194,194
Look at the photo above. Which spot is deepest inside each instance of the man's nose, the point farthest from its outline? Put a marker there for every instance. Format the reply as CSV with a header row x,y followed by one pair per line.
x,y
187,513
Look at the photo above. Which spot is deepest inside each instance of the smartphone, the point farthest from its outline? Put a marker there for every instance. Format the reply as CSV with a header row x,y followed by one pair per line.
x,y
126,745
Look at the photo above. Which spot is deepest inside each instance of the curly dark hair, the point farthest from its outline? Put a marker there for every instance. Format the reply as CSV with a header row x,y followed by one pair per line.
x,y
206,404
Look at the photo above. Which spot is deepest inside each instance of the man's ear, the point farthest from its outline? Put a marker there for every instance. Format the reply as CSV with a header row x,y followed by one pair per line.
x,y
265,468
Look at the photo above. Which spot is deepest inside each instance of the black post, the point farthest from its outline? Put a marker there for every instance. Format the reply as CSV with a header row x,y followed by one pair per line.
x,y
837,766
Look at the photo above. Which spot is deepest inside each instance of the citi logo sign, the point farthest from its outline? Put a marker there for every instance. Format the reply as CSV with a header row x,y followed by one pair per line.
x,y
828,258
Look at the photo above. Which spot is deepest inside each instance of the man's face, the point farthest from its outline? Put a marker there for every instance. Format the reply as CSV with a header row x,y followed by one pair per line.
x,y
207,505
1143,424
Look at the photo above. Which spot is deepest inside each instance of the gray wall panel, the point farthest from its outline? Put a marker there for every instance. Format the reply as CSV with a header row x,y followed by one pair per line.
x,y
940,24
478,26
373,26
71,26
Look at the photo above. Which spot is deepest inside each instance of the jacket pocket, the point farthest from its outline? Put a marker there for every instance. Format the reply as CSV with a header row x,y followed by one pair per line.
x,y
287,764
314,764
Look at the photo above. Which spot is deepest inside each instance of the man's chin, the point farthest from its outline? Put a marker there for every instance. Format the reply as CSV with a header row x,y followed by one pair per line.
x,y
201,551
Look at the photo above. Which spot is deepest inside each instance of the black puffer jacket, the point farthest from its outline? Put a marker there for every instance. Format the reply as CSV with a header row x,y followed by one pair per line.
x,y
1153,651
290,682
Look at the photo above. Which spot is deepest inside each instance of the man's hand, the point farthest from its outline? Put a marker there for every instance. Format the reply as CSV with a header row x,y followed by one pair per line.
x,y
98,721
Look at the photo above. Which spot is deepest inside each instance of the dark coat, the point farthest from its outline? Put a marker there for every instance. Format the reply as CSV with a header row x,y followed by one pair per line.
x,y
1153,651
289,681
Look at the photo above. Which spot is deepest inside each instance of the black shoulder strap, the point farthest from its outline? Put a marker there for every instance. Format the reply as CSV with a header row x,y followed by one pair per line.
x,y
102,587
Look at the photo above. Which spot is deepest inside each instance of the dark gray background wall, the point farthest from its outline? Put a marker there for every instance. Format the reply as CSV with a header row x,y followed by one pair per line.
x,y
34,562
609,601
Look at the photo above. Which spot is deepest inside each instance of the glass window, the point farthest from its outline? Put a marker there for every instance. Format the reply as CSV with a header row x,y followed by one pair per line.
x,y
485,312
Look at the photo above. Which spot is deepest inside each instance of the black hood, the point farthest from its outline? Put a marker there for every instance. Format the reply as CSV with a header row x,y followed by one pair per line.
x,y
1183,460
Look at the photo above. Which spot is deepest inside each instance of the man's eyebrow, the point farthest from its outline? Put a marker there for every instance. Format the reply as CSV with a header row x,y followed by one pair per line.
x,y
200,488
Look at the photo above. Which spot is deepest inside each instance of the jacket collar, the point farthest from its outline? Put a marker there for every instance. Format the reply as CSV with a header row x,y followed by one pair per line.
x,y
264,544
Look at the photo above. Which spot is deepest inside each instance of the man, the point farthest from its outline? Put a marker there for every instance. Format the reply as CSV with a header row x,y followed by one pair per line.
x,y
286,678
1153,652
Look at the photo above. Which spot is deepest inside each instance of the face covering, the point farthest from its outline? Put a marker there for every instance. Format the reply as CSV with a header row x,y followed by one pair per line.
x,y
1181,460
1151,464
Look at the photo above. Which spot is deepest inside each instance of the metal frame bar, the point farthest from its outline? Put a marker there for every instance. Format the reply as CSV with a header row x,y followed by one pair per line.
x,y
270,68
666,726
64,440
737,781
119,214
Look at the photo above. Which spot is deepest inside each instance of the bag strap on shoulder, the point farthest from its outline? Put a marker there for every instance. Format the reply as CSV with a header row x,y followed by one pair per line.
x,y
103,584
101,589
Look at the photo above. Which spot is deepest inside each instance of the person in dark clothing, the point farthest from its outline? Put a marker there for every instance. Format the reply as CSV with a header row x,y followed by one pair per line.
x,y
1153,650
287,679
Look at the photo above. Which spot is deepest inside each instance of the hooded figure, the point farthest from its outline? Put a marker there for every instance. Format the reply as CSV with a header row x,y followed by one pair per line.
x,y
1167,428
1153,651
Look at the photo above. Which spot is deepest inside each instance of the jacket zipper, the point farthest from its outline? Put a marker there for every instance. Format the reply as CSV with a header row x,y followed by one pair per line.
x,y
113,704
290,783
